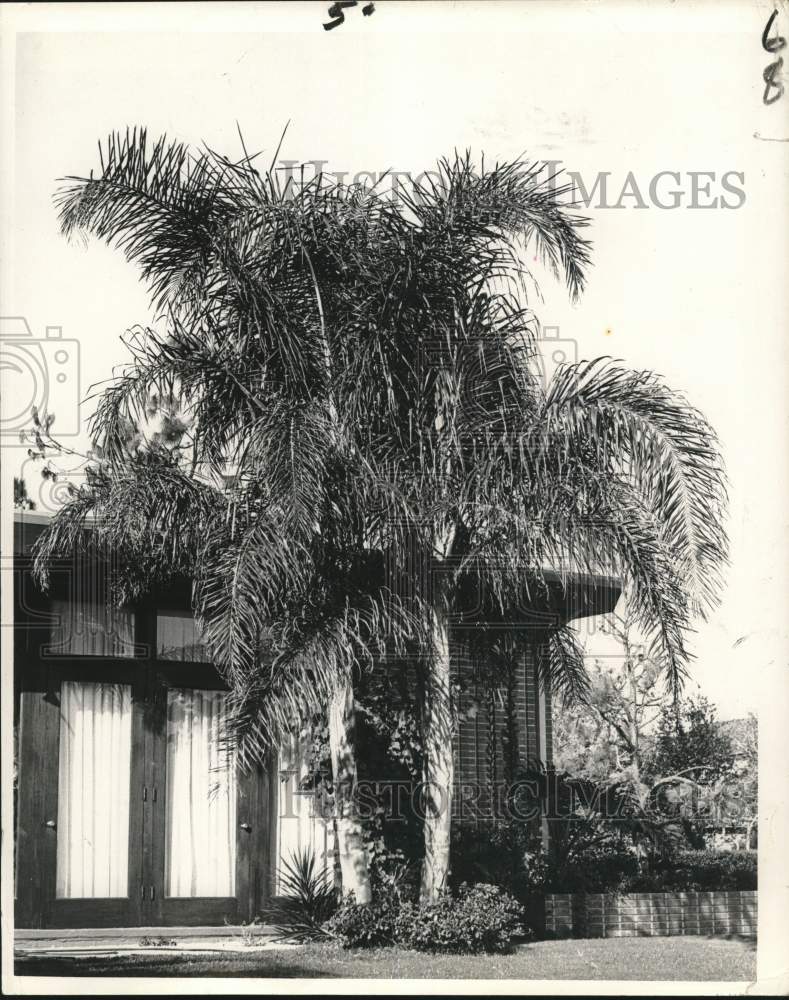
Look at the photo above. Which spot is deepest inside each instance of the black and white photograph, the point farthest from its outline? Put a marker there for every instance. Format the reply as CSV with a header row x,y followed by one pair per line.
x,y
394,437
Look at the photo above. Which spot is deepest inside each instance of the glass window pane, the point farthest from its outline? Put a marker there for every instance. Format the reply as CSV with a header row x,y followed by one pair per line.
x,y
200,857
177,638
86,628
93,791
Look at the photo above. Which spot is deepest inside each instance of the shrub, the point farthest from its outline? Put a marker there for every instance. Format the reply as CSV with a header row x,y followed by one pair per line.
x,y
495,854
679,871
706,871
595,870
359,926
481,918
396,878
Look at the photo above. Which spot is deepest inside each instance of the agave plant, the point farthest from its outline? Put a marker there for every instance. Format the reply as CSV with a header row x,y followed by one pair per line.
x,y
305,901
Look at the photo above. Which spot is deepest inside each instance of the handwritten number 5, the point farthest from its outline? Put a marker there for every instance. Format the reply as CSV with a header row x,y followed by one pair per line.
x,y
335,11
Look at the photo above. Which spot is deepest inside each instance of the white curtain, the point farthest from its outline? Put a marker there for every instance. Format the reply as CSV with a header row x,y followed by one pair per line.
x,y
177,638
201,797
89,628
300,825
93,790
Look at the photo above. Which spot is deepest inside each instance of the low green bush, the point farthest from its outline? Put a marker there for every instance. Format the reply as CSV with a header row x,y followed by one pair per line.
x,y
480,918
365,926
680,871
705,871
602,869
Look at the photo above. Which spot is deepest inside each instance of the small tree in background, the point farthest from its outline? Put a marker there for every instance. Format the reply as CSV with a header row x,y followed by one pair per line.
x,y
693,765
671,759
691,741
742,790
21,500
609,735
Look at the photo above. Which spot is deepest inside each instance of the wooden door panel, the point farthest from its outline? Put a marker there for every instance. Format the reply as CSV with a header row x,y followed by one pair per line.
x,y
249,822
95,912
253,854
36,844
40,765
146,903
201,911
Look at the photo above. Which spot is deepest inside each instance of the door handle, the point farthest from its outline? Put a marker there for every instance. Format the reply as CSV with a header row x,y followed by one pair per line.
x,y
246,827
51,824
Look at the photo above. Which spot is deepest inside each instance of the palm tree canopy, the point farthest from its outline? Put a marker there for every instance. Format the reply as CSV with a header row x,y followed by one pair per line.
x,y
358,374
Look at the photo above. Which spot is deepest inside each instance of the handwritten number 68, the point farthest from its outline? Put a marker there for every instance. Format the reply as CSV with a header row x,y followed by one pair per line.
x,y
773,89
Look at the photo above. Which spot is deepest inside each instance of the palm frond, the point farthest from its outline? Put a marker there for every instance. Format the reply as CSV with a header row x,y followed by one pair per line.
x,y
147,521
563,669
157,202
245,575
518,199
308,653
635,425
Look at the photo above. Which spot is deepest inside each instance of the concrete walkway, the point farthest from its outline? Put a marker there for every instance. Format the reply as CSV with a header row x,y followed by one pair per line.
x,y
143,940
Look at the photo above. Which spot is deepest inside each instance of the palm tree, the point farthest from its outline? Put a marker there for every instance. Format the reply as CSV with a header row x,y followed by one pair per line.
x,y
605,470
260,499
365,368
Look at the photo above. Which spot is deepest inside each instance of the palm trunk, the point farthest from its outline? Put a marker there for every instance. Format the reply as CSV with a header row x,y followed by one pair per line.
x,y
342,719
439,765
350,835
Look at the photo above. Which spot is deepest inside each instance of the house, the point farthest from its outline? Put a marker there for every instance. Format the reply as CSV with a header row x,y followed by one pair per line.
x,y
127,813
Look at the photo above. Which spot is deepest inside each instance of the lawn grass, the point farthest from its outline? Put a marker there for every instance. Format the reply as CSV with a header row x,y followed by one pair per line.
x,y
646,959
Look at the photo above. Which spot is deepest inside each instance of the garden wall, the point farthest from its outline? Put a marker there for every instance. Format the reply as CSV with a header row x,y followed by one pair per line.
x,y
647,914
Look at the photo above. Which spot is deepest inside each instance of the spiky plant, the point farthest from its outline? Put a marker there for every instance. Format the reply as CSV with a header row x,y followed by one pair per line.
x,y
304,901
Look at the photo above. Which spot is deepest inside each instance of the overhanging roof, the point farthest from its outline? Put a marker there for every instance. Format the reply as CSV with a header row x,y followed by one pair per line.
x,y
569,595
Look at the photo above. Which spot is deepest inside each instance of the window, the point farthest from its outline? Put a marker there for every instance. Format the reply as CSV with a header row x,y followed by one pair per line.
x,y
201,797
177,638
93,791
88,628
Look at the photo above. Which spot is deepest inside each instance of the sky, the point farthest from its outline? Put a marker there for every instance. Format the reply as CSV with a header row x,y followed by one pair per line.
x,y
697,294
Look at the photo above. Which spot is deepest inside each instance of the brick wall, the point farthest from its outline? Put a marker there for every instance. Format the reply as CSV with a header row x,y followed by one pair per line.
x,y
648,914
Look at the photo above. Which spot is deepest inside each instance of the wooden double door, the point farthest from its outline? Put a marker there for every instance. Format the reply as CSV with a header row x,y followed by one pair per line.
x,y
128,811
